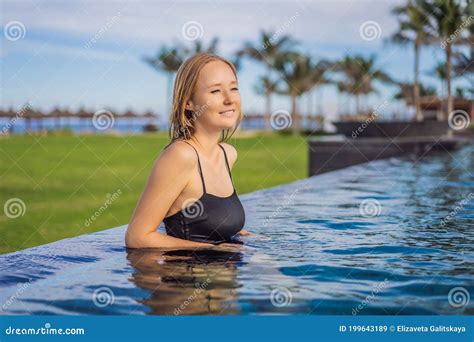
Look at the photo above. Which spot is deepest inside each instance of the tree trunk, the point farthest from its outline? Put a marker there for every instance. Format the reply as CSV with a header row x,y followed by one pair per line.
x,y
268,110
449,106
357,104
416,89
295,127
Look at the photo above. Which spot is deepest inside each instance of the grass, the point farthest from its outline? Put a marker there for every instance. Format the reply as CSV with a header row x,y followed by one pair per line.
x,y
64,180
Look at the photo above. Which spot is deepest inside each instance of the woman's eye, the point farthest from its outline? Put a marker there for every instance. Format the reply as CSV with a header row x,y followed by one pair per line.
x,y
235,88
215,91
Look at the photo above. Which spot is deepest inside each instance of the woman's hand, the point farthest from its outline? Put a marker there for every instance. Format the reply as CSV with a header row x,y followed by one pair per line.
x,y
244,232
228,247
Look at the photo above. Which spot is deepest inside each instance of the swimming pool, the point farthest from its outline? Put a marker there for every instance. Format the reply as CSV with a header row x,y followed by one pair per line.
x,y
390,237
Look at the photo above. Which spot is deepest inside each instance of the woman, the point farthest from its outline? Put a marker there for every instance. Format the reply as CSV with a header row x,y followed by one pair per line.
x,y
190,187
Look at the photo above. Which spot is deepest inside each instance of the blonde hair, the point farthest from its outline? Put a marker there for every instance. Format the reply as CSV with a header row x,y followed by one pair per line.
x,y
181,119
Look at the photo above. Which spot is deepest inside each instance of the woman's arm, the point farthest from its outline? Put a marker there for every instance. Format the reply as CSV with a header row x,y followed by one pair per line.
x,y
168,178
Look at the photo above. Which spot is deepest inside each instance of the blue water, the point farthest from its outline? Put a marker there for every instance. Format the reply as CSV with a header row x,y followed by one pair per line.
x,y
316,252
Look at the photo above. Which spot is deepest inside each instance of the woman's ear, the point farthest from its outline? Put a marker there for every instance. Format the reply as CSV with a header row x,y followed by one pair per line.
x,y
190,106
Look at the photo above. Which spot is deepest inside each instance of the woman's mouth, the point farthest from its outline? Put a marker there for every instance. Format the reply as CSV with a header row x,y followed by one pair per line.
x,y
229,112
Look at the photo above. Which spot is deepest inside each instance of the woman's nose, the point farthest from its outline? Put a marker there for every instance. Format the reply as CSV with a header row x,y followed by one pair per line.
x,y
227,97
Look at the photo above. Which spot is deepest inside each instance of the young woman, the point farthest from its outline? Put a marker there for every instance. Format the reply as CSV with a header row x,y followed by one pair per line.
x,y
190,187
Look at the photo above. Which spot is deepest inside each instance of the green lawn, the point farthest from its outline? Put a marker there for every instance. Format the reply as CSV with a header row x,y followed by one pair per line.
x,y
64,180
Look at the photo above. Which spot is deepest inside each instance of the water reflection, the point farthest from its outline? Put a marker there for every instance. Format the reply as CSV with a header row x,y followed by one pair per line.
x,y
187,282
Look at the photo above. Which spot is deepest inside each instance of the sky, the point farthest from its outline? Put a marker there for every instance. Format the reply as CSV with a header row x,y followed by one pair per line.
x,y
89,54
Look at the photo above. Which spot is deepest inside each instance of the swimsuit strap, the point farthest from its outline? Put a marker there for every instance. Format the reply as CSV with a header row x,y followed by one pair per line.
x,y
199,165
227,163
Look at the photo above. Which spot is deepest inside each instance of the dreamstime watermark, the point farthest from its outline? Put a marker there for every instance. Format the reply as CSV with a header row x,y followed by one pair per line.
x,y
19,114
199,287
459,119
14,30
379,287
370,30
46,330
192,208
108,202
456,33
103,296
374,115
106,27
281,297
14,208
458,297
280,119
21,288
103,119
192,30
459,207
280,31
285,204
370,208
183,130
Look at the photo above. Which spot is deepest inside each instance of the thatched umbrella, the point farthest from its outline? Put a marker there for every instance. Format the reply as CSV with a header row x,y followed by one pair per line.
x,y
83,114
129,115
57,114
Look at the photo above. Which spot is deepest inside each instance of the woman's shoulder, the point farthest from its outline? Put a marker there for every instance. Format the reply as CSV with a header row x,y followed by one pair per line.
x,y
231,153
179,152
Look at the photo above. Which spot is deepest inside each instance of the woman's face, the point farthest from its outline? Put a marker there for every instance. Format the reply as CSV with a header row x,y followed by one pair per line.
x,y
216,99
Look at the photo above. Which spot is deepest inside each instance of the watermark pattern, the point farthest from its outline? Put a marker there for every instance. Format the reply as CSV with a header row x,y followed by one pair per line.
x,y
285,204
192,30
103,119
459,119
103,296
370,30
19,114
192,208
456,33
108,202
14,208
374,115
21,288
184,130
199,287
14,30
106,27
280,119
458,297
370,208
281,297
280,31
459,207
379,287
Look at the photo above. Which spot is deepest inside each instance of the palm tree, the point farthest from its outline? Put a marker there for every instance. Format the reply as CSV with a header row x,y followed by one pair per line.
x,y
446,18
464,64
299,74
359,73
439,71
407,90
199,46
413,29
267,87
267,50
167,60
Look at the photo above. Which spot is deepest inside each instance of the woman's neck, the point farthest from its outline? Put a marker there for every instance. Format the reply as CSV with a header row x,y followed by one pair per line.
x,y
207,141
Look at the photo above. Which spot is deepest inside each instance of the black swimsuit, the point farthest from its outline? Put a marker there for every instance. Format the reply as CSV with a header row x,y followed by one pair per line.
x,y
211,218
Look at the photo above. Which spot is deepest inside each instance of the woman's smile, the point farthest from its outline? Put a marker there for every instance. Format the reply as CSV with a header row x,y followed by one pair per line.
x,y
228,113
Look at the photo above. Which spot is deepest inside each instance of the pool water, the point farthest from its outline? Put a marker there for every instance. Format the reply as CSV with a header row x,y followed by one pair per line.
x,y
389,237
